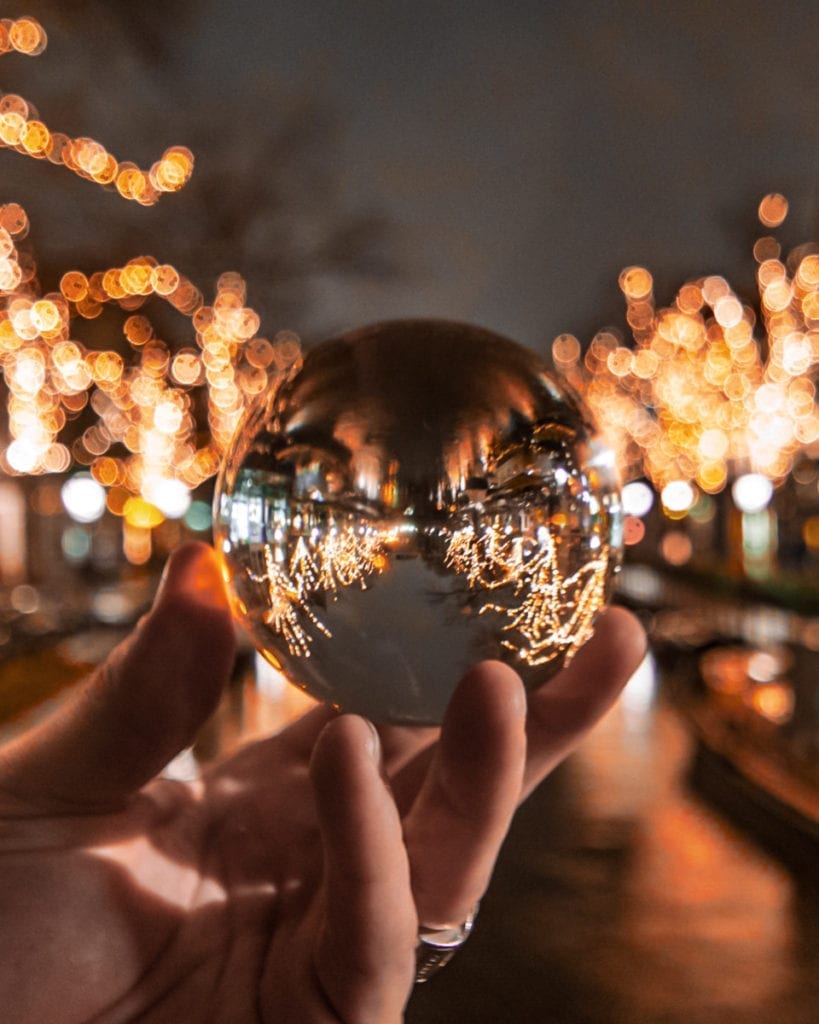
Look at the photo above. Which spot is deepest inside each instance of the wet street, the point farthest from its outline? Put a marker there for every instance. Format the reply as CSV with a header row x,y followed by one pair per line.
x,y
621,898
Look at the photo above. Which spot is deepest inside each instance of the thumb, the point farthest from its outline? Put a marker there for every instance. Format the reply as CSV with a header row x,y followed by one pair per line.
x,y
139,708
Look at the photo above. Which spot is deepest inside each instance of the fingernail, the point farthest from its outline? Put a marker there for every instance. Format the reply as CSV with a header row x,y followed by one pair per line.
x,y
163,579
171,572
373,742
519,702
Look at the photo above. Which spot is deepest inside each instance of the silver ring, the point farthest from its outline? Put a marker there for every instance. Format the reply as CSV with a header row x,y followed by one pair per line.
x,y
437,946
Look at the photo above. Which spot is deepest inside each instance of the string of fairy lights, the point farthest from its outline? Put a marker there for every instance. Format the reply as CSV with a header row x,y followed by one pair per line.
x,y
548,615
144,445
22,130
551,615
700,398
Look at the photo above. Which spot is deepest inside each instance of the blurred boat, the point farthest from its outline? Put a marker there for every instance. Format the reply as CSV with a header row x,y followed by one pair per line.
x,y
757,748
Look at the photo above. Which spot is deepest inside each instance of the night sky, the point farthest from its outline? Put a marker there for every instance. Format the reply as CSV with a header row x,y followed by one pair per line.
x,y
487,161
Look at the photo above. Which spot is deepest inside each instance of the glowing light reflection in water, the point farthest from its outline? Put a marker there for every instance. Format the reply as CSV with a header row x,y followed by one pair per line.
x,y
621,897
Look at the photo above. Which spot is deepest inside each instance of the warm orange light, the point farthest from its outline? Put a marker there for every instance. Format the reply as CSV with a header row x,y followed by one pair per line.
x,y
773,210
142,514
143,405
634,530
137,544
810,533
636,283
566,350
676,547
774,701
83,156
696,394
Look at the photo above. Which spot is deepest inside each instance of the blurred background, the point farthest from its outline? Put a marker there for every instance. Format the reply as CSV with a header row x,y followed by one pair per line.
x,y
499,163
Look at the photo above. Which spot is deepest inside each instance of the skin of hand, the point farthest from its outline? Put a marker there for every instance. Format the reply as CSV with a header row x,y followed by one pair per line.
x,y
287,884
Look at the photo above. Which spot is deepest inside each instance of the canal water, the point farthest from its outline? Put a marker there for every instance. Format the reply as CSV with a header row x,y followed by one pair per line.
x,y
621,897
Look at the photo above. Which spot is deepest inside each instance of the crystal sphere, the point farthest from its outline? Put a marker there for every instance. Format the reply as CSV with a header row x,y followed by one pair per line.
x,y
418,496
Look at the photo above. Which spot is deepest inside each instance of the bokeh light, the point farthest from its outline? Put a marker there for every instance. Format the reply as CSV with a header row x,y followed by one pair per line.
x,y
678,496
774,701
76,543
171,497
151,432
699,397
638,498
676,547
21,130
773,209
83,498
634,530
810,533
752,492
199,517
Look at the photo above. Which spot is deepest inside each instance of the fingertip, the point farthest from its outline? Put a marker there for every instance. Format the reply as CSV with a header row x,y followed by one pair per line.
x,y
173,670
194,570
345,768
463,809
343,740
489,703
614,652
149,698
496,684
623,629
482,750
191,607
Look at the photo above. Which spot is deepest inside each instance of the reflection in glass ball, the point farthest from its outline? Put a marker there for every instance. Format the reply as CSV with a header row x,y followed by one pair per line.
x,y
419,496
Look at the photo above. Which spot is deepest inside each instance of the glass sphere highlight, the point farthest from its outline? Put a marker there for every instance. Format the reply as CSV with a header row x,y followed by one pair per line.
x,y
419,496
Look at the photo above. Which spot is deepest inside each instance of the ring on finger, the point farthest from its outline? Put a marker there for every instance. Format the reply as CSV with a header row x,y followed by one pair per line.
x,y
437,946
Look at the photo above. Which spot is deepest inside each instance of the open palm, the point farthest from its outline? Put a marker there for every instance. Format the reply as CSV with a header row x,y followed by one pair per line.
x,y
286,885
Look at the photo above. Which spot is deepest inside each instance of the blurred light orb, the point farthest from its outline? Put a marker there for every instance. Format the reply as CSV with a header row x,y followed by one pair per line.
x,y
678,496
752,492
24,599
22,456
634,530
198,517
676,547
638,497
76,543
142,514
418,497
83,498
171,497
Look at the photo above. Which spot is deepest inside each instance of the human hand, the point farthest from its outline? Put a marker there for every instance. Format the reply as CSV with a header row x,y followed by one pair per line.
x,y
288,884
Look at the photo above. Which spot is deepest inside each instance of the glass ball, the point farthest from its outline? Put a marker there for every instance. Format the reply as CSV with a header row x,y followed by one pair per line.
x,y
419,496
